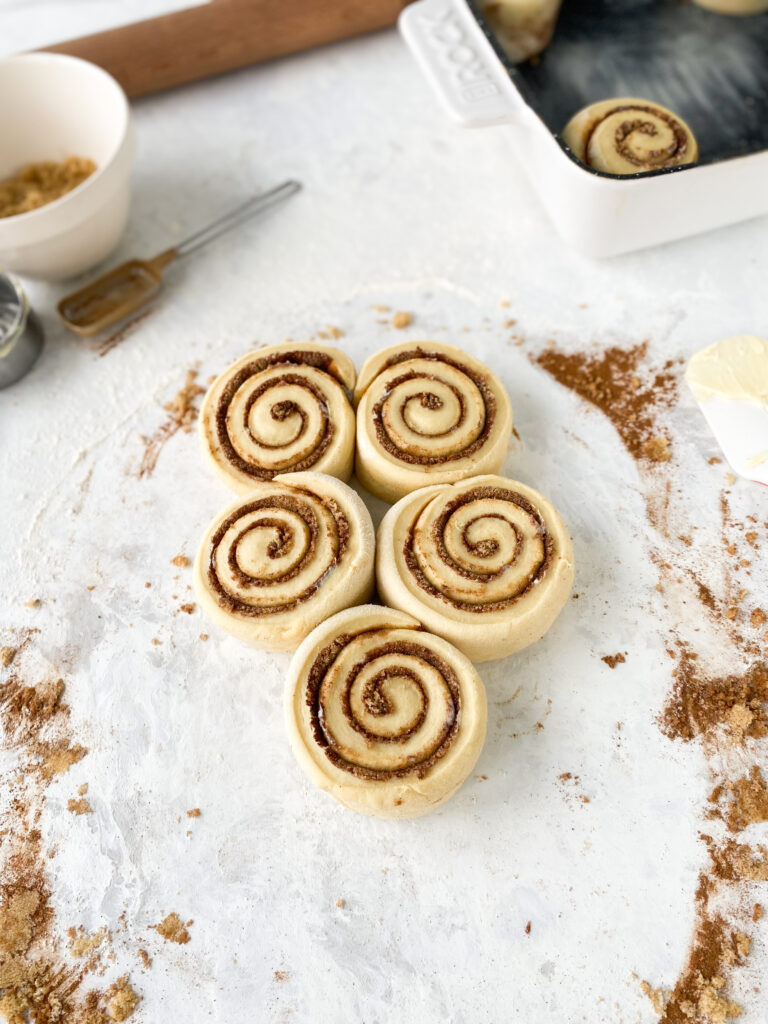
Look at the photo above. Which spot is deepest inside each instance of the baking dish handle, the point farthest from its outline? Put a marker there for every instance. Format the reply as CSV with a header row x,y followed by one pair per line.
x,y
459,62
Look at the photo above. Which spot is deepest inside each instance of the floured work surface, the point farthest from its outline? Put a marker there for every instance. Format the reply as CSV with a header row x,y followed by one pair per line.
x,y
623,772
568,880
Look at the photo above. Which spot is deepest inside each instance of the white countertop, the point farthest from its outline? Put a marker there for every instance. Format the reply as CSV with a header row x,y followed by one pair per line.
x,y
400,208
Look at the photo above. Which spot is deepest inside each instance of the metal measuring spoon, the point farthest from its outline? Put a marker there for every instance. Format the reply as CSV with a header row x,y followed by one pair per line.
x,y
122,291
21,333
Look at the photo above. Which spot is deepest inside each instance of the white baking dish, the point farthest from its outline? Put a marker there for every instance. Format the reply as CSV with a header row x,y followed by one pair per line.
x,y
600,214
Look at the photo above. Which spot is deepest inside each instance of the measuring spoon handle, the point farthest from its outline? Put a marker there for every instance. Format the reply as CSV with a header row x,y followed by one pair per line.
x,y
257,204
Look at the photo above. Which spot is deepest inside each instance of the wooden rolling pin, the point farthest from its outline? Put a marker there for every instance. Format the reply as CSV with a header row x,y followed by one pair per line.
x,y
222,35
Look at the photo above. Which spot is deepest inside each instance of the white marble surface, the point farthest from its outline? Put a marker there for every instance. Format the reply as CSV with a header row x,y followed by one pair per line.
x,y
404,209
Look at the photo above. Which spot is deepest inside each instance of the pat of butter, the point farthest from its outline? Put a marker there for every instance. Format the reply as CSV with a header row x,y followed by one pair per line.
x,y
736,368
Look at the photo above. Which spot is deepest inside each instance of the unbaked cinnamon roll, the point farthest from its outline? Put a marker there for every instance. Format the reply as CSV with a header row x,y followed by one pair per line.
x,y
282,409
522,27
629,136
740,8
385,717
294,551
486,563
427,413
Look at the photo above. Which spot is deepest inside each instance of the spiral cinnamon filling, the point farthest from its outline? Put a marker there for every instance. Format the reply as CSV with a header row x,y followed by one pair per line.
x,y
417,667
478,550
431,401
280,411
674,151
280,547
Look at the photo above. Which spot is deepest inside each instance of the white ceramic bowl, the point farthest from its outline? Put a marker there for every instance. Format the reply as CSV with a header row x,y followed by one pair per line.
x,y
52,107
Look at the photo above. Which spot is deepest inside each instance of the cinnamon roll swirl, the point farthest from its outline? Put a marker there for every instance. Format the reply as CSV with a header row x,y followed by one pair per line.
x,y
486,563
282,409
629,136
427,413
294,551
385,717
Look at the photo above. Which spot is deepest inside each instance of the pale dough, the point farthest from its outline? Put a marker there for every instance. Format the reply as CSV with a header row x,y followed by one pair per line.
x,y
522,27
280,409
739,8
387,718
629,135
294,551
427,413
487,563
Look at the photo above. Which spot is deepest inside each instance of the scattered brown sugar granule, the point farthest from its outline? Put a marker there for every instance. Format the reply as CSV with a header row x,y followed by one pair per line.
x,y
38,981
615,382
282,975
758,618
40,183
34,602
121,999
182,413
701,703
81,944
80,806
173,929
757,912
656,449
187,608
341,904
400,320
82,789
17,920
528,928
657,996
194,813
203,636
146,959
612,660
181,560
699,991
733,862
749,803
714,461
7,654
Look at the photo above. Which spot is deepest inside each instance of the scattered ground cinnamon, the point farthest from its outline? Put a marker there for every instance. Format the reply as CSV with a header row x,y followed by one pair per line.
x,y
194,813
182,414
101,348
701,703
187,608
698,994
720,709
39,981
615,381
282,975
